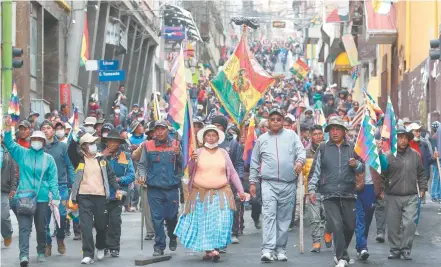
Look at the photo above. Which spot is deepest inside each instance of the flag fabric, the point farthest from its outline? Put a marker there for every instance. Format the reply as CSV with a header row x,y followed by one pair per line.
x,y
300,69
14,107
389,129
365,146
178,98
75,120
250,141
374,111
319,117
85,43
187,141
146,110
241,82
155,106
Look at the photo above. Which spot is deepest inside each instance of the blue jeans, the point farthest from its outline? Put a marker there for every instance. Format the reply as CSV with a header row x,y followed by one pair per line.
x,y
194,103
164,205
436,184
64,197
364,212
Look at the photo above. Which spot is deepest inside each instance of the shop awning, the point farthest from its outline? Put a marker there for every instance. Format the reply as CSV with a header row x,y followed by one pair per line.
x,y
342,63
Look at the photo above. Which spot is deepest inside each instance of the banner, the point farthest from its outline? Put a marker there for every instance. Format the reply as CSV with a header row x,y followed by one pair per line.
x,y
351,49
65,96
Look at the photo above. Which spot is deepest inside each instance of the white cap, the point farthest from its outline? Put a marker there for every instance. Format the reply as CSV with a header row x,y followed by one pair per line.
x,y
87,138
90,121
38,134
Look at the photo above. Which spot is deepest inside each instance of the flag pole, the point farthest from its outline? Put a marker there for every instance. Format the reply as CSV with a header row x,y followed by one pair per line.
x,y
302,196
192,135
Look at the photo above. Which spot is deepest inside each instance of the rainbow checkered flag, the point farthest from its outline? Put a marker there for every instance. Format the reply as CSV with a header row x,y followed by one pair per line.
x,y
366,147
389,129
14,108
178,98
375,112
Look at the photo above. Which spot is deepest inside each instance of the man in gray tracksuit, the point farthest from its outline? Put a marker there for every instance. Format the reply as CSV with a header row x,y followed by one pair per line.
x,y
278,156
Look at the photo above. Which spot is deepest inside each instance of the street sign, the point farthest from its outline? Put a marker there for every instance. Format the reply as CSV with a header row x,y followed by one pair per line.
x,y
108,65
111,75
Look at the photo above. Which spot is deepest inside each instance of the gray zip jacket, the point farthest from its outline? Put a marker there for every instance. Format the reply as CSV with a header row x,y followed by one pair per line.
x,y
275,155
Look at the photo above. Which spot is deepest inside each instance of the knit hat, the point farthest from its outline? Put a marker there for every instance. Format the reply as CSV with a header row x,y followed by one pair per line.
x,y
220,119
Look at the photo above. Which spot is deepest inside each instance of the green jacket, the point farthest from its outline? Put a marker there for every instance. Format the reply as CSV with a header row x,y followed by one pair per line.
x,y
30,163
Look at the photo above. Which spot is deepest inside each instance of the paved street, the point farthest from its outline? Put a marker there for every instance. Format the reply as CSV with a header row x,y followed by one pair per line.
x,y
426,248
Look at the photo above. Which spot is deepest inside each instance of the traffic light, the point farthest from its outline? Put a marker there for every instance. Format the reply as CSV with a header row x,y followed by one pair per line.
x,y
17,52
435,49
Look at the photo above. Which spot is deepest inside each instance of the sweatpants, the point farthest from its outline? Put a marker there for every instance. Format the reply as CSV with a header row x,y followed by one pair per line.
x,y
114,210
25,228
6,226
145,206
93,213
364,211
277,207
401,214
164,205
317,219
380,216
340,216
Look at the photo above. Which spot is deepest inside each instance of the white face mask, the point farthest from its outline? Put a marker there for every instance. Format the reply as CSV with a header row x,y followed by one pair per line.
x,y
234,136
93,149
89,129
416,139
139,119
59,133
36,145
105,134
211,146
117,111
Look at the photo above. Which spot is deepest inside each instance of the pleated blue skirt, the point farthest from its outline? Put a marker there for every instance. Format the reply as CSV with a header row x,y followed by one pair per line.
x,y
207,227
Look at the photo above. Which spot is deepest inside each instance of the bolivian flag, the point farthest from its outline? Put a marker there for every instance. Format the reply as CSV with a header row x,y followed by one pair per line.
x,y
241,83
85,43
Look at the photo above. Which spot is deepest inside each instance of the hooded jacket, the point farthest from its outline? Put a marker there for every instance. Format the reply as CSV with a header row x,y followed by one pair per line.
x,y
123,168
65,170
426,154
30,162
309,121
275,156
9,178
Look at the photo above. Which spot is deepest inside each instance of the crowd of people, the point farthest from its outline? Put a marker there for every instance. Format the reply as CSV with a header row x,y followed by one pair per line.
x,y
132,159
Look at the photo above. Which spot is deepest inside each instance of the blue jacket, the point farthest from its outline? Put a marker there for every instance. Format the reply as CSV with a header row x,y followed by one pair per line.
x,y
66,172
137,140
30,162
159,164
122,166
236,153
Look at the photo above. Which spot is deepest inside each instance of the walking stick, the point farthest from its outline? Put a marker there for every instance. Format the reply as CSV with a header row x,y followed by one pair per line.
x,y
142,215
437,163
302,196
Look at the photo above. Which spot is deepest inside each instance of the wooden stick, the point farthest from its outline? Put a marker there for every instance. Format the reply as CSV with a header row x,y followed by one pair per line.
x,y
437,163
302,196
142,215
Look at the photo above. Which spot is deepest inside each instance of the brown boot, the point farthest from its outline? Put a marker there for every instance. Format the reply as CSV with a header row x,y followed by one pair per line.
x,y
7,242
48,250
61,247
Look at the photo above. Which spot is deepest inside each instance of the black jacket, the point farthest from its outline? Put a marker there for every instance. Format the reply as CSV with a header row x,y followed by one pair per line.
x,y
9,178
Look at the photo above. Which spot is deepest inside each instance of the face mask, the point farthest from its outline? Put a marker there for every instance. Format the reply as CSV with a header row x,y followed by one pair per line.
x,y
117,111
93,149
37,145
139,119
90,129
234,136
59,133
210,146
105,134
416,139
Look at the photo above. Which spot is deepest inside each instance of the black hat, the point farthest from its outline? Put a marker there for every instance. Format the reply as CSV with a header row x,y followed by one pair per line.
x,y
403,130
220,119
114,135
46,122
107,126
275,111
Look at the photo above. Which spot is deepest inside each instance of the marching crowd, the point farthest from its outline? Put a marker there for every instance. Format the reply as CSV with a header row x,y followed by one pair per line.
x,y
86,177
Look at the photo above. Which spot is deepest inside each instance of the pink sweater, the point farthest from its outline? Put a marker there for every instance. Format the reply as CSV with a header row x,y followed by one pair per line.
x,y
231,172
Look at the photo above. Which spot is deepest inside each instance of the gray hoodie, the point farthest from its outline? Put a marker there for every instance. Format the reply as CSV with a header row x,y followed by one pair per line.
x,y
275,155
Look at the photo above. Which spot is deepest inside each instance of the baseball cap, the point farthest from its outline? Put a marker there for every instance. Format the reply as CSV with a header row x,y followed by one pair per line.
x,y
161,123
87,138
275,111
25,123
47,122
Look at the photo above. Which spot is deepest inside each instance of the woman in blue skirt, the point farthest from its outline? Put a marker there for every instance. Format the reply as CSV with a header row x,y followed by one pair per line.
x,y
207,220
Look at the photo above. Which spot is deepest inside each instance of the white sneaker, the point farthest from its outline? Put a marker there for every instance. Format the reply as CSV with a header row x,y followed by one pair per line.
x,y
266,257
364,254
87,260
281,257
235,240
342,263
100,254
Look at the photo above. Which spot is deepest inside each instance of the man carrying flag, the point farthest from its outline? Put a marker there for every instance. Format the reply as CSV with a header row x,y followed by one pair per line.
x,y
405,182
